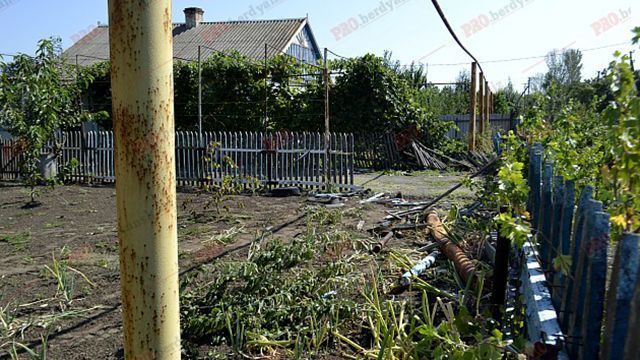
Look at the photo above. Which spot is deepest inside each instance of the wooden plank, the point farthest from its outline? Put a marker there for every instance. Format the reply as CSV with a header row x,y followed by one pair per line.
x,y
595,286
351,157
574,250
472,111
556,217
535,183
545,215
631,348
624,280
580,286
542,320
564,240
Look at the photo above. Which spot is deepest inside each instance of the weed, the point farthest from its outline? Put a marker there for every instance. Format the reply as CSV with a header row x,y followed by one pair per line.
x,y
273,300
18,241
398,331
33,354
228,236
193,231
65,281
322,216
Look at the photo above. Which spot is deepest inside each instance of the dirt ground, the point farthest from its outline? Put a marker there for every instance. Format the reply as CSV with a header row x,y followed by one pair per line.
x,y
78,224
416,185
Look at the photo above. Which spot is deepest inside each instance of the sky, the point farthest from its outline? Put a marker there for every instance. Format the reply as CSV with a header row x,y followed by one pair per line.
x,y
492,30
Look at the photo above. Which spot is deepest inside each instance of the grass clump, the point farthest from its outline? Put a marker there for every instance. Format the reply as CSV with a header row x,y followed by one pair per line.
x,y
271,301
18,241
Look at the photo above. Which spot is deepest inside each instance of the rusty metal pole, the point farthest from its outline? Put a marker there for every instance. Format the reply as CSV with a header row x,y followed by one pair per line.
x,y
141,48
472,111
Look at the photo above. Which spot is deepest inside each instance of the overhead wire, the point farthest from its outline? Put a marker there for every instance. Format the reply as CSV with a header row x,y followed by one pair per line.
x,y
514,59
453,33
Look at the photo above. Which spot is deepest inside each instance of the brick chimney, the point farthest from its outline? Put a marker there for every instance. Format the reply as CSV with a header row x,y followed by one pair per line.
x,y
193,16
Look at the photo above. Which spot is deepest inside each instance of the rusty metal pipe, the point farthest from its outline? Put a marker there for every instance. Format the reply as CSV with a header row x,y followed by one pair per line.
x,y
463,265
383,242
141,47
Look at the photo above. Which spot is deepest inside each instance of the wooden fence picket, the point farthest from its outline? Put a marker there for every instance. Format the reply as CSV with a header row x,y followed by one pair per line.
x,y
624,279
633,334
274,159
581,232
595,286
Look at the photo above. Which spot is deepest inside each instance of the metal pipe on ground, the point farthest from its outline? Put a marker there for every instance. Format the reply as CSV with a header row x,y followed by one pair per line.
x,y
463,265
141,47
383,242
419,268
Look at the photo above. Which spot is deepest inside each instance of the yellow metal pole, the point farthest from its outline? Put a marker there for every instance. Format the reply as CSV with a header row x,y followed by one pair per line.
x,y
141,48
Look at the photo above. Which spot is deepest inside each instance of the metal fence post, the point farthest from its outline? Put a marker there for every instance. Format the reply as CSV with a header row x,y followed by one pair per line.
x,y
141,50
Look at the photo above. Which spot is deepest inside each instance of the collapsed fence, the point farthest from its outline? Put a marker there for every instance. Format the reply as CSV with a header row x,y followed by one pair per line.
x,y
272,159
575,289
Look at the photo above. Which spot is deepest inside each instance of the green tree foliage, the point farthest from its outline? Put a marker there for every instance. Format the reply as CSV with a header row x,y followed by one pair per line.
x,y
368,93
448,99
506,99
594,146
37,97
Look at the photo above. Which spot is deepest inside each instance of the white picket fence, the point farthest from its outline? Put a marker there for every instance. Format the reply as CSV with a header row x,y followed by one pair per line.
x,y
273,159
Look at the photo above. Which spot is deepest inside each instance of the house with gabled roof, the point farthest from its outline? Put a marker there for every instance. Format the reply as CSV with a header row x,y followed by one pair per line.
x,y
254,39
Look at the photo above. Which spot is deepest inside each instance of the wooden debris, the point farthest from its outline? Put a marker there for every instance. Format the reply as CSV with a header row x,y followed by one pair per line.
x,y
374,198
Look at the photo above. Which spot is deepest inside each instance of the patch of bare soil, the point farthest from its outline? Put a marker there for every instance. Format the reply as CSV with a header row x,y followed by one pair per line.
x,y
76,226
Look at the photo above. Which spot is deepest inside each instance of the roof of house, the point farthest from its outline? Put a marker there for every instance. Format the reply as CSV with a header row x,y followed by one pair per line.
x,y
247,37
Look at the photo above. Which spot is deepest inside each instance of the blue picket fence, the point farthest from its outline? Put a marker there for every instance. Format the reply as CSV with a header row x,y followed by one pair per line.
x,y
568,309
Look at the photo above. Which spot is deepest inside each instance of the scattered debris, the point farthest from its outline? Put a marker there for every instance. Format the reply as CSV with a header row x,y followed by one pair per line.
x,y
463,265
374,198
383,243
286,192
419,268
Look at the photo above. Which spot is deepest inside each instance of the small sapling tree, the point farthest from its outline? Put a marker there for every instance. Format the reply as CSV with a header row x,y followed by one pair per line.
x,y
39,95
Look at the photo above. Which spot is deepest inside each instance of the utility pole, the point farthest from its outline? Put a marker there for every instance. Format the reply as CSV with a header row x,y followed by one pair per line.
x,y
266,87
482,99
78,81
200,96
487,109
472,111
327,134
141,47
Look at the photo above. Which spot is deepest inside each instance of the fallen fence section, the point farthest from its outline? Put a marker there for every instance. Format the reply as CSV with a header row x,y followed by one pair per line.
x,y
273,159
567,275
542,320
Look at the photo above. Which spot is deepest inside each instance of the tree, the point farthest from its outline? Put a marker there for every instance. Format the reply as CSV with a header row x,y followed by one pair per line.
x,y
565,68
572,60
505,99
36,99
